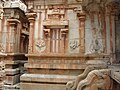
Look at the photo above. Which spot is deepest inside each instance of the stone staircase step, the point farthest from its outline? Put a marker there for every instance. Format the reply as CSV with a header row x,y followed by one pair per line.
x,y
46,78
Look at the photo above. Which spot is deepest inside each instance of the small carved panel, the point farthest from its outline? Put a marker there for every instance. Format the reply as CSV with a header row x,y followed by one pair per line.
x,y
73,45
40,45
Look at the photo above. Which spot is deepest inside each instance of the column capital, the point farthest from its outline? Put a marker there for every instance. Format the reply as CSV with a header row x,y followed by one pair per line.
x,y
81,15
64,32
31,16
47,32
13,21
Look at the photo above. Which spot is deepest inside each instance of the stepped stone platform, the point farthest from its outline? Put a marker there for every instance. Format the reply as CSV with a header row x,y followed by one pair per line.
x,y
53,71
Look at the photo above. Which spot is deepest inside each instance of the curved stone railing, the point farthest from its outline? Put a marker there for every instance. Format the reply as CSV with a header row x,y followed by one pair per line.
x,y
72,85
95,80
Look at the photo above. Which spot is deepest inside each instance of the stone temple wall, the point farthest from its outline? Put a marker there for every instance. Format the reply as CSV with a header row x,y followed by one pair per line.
x,y
67,44
65,38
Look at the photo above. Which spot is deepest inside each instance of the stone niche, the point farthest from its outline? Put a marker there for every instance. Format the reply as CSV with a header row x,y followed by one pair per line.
x,y
55,28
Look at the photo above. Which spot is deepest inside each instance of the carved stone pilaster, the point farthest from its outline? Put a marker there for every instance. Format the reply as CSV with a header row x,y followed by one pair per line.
x,y
64,41
13,35
82,16
112,11
22,38
48,39
31,17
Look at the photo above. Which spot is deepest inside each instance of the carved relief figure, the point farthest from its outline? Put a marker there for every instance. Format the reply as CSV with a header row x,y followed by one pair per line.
x,y
96,44
95,10
74,44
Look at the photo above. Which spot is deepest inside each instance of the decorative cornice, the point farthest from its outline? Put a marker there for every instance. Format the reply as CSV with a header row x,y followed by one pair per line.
x,y
15,4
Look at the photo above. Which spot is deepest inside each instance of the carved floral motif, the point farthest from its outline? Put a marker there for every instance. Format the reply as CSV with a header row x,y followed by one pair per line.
x,y
40,45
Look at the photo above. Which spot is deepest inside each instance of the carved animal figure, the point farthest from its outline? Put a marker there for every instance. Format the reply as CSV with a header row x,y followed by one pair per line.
x,y
72,85
96,80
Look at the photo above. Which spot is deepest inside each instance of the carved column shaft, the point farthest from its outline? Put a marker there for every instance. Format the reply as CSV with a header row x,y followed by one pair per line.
x,y
22,43
13,35
31,40
47,39
64,41
48,43
112,11
31,18
82,18
62,46
0,29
